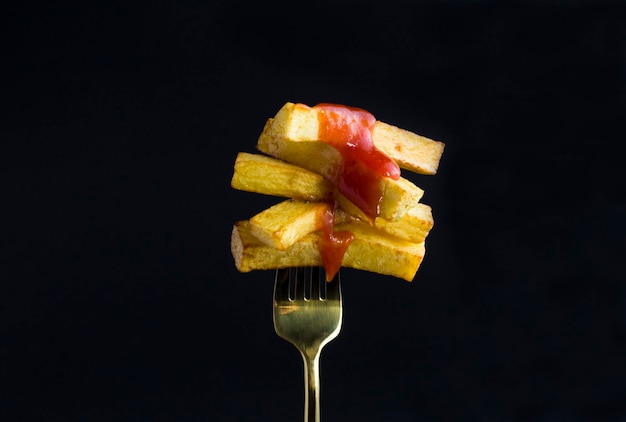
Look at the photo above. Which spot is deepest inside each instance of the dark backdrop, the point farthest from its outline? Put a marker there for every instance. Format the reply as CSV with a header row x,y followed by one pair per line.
x,y
119,297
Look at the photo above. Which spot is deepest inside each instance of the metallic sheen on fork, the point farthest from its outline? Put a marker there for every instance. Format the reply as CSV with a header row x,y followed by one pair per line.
x,y
308,318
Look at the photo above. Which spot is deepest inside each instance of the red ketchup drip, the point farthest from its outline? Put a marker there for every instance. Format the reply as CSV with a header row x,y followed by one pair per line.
x,y
333,244
349,131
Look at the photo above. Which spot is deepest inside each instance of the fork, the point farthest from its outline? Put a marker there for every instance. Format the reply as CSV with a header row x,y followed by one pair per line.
x,y
308,314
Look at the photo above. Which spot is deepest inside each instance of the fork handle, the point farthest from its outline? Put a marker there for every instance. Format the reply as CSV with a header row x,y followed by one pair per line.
x,y
311,387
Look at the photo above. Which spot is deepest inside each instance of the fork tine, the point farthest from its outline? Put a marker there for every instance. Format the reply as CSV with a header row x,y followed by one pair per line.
x,y
333,288
315,283
299,284
281,285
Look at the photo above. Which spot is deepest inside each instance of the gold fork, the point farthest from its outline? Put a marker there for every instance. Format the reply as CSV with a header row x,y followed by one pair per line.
x,y
307,313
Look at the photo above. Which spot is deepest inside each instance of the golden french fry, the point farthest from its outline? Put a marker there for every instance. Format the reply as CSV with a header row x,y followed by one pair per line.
x,y
283,224
414,226
372,250
272,176
293,135
398,197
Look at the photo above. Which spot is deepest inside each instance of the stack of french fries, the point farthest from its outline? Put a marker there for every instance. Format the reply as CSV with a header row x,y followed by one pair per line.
x,y
294,163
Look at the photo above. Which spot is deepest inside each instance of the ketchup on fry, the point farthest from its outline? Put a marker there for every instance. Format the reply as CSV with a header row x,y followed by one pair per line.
x,y
349,131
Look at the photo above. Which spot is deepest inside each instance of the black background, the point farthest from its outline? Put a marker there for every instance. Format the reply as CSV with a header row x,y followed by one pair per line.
x,y
119,297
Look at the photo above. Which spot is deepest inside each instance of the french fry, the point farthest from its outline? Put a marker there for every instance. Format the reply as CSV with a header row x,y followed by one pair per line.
x,y
399,196
372,250
414,226
283,224
271,176
293,135
288,221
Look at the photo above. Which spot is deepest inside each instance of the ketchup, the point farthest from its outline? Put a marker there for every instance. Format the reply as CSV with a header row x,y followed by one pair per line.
x,y
333,244
358,178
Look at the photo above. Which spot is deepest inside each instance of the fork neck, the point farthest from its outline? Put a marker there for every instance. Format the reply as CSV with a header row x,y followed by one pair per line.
x,y
312,383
